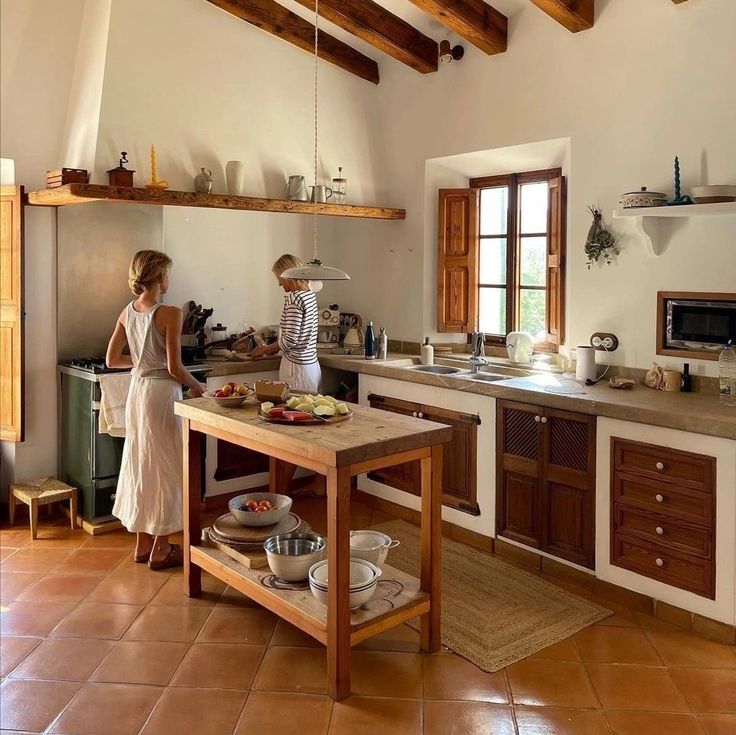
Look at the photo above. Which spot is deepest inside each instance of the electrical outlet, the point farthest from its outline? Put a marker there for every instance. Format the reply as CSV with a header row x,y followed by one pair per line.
x,y
604,341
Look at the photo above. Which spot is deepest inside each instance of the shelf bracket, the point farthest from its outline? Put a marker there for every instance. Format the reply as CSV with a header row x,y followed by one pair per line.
x,y
649,230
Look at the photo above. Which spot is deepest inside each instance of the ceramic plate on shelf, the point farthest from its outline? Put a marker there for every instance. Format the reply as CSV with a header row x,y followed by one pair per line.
x,y
226,527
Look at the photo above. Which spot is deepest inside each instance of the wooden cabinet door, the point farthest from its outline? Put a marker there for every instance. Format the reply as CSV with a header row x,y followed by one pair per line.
x,y
234,461
568,486
519,472
407,476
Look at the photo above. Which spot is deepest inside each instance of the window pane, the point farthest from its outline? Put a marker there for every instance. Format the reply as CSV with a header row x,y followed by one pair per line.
x,y
533,261
534,207
494,205
532,315
492,310
493,261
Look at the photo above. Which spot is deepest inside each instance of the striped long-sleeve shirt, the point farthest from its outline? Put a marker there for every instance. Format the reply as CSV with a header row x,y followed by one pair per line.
x,y
298,329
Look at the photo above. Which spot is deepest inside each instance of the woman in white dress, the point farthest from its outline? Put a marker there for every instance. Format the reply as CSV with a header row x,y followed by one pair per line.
x,y
297,331
149,492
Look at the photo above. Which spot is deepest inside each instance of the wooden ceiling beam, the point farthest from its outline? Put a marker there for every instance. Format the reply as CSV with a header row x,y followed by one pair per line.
x,y
273,18
575,15
382,29
474,20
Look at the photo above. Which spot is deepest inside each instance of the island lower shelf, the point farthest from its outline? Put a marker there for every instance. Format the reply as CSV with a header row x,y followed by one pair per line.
x,y
398,598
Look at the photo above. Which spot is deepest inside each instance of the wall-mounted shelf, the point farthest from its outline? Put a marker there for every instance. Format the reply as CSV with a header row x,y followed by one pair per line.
x,y
84,193
646,219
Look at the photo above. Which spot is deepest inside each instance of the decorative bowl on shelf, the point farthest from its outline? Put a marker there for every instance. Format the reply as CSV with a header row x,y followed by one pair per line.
x,y
363,580
714,194
291,555
643,198
373,546
243,508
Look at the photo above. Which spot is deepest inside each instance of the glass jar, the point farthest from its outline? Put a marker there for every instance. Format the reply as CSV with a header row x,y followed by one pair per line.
x,y
339,188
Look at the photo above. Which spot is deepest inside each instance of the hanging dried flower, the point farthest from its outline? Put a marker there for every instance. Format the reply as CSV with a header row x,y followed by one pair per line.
x,y
600,243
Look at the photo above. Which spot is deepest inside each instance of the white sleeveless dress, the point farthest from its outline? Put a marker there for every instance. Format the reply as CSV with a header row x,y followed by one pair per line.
x,y
149,492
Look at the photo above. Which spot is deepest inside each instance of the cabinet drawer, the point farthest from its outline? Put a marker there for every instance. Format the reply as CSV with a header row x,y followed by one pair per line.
x,y
671,465
664,498
685,571
676,535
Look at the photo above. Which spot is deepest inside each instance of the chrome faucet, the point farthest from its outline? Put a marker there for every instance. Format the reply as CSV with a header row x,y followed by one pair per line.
x,y
477,358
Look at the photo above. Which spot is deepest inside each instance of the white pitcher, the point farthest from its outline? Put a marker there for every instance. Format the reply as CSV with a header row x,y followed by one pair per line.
x,y
235,177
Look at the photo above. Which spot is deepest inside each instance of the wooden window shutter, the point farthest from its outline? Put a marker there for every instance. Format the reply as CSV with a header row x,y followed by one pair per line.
x,y
11,313
457,261
556,227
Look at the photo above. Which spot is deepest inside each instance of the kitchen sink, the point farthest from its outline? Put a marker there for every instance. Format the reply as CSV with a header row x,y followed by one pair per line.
x,y
487,377
435,369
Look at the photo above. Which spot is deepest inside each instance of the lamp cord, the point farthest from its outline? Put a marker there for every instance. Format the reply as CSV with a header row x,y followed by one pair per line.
x,y
316,62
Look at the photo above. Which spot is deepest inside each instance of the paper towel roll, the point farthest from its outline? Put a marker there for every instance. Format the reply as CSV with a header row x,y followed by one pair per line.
x,y
585,368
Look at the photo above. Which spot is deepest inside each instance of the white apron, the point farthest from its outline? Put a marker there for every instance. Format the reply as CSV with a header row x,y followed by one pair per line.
x,y
149,492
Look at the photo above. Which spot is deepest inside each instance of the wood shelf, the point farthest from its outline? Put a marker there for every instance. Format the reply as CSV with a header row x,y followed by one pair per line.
x,y
84,193
646,219
302,610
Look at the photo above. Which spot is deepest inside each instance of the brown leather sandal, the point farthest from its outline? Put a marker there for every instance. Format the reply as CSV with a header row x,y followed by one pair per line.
x,y
142,558
175,558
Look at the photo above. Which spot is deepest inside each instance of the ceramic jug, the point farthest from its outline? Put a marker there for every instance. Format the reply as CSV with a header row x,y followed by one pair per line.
x,y
320,193
203,181
296,190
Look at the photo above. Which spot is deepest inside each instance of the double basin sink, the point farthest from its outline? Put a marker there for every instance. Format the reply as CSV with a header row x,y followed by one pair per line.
x,y
485,377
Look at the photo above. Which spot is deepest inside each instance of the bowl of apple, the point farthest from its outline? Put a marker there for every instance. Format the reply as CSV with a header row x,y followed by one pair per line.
x,y
259,509
230,395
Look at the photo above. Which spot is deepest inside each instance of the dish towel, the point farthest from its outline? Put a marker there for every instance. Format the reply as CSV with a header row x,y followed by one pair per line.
x,y
114,388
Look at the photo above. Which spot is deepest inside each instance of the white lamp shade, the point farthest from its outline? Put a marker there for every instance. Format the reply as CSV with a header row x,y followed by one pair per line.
x,y
315,271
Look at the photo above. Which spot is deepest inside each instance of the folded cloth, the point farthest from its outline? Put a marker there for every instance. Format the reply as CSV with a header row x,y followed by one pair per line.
x,y
114,388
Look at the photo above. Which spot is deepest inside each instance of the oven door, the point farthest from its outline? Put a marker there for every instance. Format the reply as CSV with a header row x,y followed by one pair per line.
x,y
704,325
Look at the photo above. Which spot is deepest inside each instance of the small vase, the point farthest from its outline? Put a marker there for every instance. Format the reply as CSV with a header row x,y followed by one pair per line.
x,y
203,181
235,177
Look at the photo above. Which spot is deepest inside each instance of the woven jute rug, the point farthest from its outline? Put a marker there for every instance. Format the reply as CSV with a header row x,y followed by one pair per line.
x,y
493,613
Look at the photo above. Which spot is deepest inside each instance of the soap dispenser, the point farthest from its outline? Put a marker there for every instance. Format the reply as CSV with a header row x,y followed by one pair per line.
x,y
427,353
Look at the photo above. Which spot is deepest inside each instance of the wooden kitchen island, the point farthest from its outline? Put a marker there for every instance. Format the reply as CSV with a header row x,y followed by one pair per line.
x,y
370,441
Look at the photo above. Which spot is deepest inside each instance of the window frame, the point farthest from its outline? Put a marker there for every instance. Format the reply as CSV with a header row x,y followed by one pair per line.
x,y
513,274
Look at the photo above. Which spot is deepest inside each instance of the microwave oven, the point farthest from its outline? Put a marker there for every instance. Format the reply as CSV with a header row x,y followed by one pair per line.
x,y
696,325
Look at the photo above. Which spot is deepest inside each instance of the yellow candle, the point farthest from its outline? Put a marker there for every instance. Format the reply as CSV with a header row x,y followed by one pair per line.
x,y
154,173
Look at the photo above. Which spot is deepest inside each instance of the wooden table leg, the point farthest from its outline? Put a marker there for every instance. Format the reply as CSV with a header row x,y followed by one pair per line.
x,y
192,509
73,509
34,517
431,559
11,507
280,474
338,572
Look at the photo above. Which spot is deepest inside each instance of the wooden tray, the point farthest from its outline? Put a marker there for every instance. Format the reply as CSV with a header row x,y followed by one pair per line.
x,y
228,529
331,420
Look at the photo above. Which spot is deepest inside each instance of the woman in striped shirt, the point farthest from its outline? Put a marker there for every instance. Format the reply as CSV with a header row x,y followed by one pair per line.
x,y
298,331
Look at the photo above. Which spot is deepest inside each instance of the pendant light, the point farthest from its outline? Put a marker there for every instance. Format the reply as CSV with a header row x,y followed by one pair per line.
x,y
314,270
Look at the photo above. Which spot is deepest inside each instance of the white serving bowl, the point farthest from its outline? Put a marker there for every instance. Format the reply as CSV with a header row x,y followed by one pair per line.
x,y
281,507
373,546
363,580
291,555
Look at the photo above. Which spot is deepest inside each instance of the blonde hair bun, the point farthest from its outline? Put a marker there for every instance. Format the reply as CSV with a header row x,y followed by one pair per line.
x,y
147,268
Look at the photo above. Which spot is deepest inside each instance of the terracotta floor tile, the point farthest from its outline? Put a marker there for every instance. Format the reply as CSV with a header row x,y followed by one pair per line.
x,y
130,589
58,537
172,593
467,718
97,620
34,560
107,709
219,665
622,617
400,638
550,683
718,724
235,625
30,618
293,670
565,650
687,649
64,659
14,536
115,540
369,716
141,662
32,705
636,688
195,712
708,690
452,677
649,622
13,584
555,721
286,634
272,713
232,598
13,650
386,674
62,587
159,623
91,561
601,644
6,551
653,723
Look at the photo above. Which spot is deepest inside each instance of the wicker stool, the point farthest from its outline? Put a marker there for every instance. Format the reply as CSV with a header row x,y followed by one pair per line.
x,y
42,492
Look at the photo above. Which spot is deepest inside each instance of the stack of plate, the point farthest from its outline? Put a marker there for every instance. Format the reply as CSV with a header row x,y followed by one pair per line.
x,y
226,530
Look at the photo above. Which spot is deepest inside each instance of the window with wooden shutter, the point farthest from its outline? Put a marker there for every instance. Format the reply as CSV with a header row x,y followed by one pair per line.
x,y
457,263
556,230
11,314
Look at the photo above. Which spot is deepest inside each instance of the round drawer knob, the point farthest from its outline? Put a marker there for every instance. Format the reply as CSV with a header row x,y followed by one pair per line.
x,y
660,531
659,562
415,414
544,419
420,415
537,418
659,498
659,465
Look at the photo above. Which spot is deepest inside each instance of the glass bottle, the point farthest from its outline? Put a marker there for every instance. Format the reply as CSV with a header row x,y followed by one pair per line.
x,y
340,188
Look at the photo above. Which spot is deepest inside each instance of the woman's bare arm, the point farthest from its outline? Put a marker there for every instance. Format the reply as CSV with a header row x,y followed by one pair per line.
x,y
168,322
115,357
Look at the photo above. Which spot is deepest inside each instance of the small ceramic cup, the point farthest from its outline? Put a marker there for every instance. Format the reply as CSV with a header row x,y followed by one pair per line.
x,y
672,381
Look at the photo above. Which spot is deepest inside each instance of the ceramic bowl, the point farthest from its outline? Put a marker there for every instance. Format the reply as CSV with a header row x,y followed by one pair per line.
x,y
281,507
643,198
363,580
291,555
373,546
229,402
714,194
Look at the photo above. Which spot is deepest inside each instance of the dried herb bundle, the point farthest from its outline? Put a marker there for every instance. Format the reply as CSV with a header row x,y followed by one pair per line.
x,y
600,243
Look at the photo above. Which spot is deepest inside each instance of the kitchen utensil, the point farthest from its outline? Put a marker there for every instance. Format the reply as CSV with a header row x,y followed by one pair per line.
x,y
296,189
585,369
227,528
519,346
363,580
672,381
235,177
203,181
319,193
281,507
291,555
714,194
643,198
229,402
373,546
